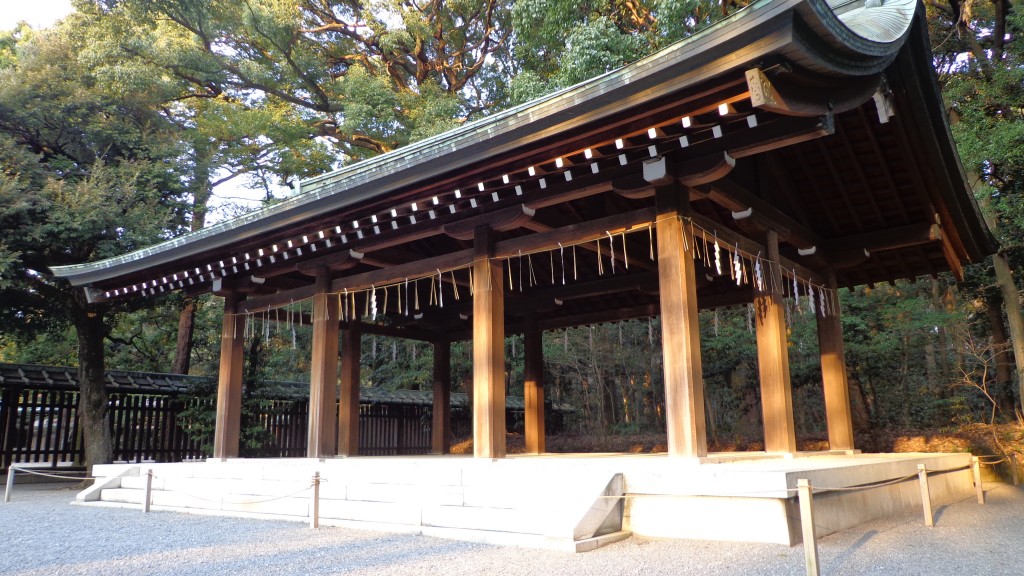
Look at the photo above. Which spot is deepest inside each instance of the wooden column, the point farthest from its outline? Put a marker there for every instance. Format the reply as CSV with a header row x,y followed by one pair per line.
x,y
680,333
533,385
773,356
488,349
442,423
348,405
833,377
229,380
323,377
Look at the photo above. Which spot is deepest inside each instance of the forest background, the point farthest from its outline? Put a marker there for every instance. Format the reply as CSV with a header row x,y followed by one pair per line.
x,y
129,121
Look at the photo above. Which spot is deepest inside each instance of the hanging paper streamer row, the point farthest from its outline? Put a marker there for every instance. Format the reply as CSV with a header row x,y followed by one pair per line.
x,y
404,297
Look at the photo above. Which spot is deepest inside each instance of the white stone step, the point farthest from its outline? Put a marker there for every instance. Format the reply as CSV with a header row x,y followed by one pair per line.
x,y
478,501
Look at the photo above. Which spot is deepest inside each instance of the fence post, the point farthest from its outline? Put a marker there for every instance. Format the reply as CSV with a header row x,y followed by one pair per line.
x,y
314,508
1013,468
10,482
926,498
149,491
976,470
805,495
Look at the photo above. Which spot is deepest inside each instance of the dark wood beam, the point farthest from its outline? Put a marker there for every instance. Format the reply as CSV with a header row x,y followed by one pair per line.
x,y
499,220
576,233
599,317
780,134
737,198
890,239
782,90
732,238
568,235
337,262
619,255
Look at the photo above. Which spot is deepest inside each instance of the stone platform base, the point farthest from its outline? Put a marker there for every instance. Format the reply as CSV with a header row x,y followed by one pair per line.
x,y
566,502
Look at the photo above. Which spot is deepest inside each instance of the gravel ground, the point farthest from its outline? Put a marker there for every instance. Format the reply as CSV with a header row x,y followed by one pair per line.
x,y
41,534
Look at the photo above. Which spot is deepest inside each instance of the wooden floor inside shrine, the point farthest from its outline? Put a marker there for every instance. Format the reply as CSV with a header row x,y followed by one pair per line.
x,y
569,502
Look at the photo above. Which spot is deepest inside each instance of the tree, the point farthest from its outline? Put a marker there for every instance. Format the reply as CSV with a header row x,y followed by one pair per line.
x,y
367,77
84,177
979,59
559,43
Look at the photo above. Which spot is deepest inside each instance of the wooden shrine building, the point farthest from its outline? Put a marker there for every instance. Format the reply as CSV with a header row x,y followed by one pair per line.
x,y
797,147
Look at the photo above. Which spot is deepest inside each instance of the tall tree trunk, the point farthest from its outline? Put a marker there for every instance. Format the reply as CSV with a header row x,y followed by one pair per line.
x,y
1001,351
1004,279
201,192
186,332
1011,297
93,406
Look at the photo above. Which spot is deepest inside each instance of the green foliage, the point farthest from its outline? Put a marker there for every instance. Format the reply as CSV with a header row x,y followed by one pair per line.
x,y
559,43
83,176
364,76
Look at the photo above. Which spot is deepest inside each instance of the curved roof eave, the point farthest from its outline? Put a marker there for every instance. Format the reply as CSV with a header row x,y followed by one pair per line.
x,y
973,233
817,39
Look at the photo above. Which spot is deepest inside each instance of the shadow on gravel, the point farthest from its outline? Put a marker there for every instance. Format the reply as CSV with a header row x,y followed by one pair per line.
x,y
842,558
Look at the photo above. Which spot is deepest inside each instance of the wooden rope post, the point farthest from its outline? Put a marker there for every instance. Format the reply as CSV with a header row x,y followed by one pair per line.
x,y
10,482
805,495
148,496
314,508
976,470
1013,468
926,498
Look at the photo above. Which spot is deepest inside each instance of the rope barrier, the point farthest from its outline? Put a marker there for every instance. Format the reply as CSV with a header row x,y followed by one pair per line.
x,y
14,470
244,502
817,489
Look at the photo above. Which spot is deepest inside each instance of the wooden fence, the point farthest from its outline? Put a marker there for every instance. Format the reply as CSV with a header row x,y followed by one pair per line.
x,y
41,427
39,418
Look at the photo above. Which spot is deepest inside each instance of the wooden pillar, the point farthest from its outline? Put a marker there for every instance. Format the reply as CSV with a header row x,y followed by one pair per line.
x,y
488,349
533,386
323,377
773,356
680,333
348,405
442,421
227,428
833,376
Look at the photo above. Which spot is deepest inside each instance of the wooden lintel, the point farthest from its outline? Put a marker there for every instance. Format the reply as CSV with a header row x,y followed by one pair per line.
x,y
737,198
774,135
568,235
402,271
402,332
706,169
718,299
890,239
538,227
246,284
756,223
543,198
261,303
599,287
600,317
732,238
633,187
500,220
337,262
575,233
